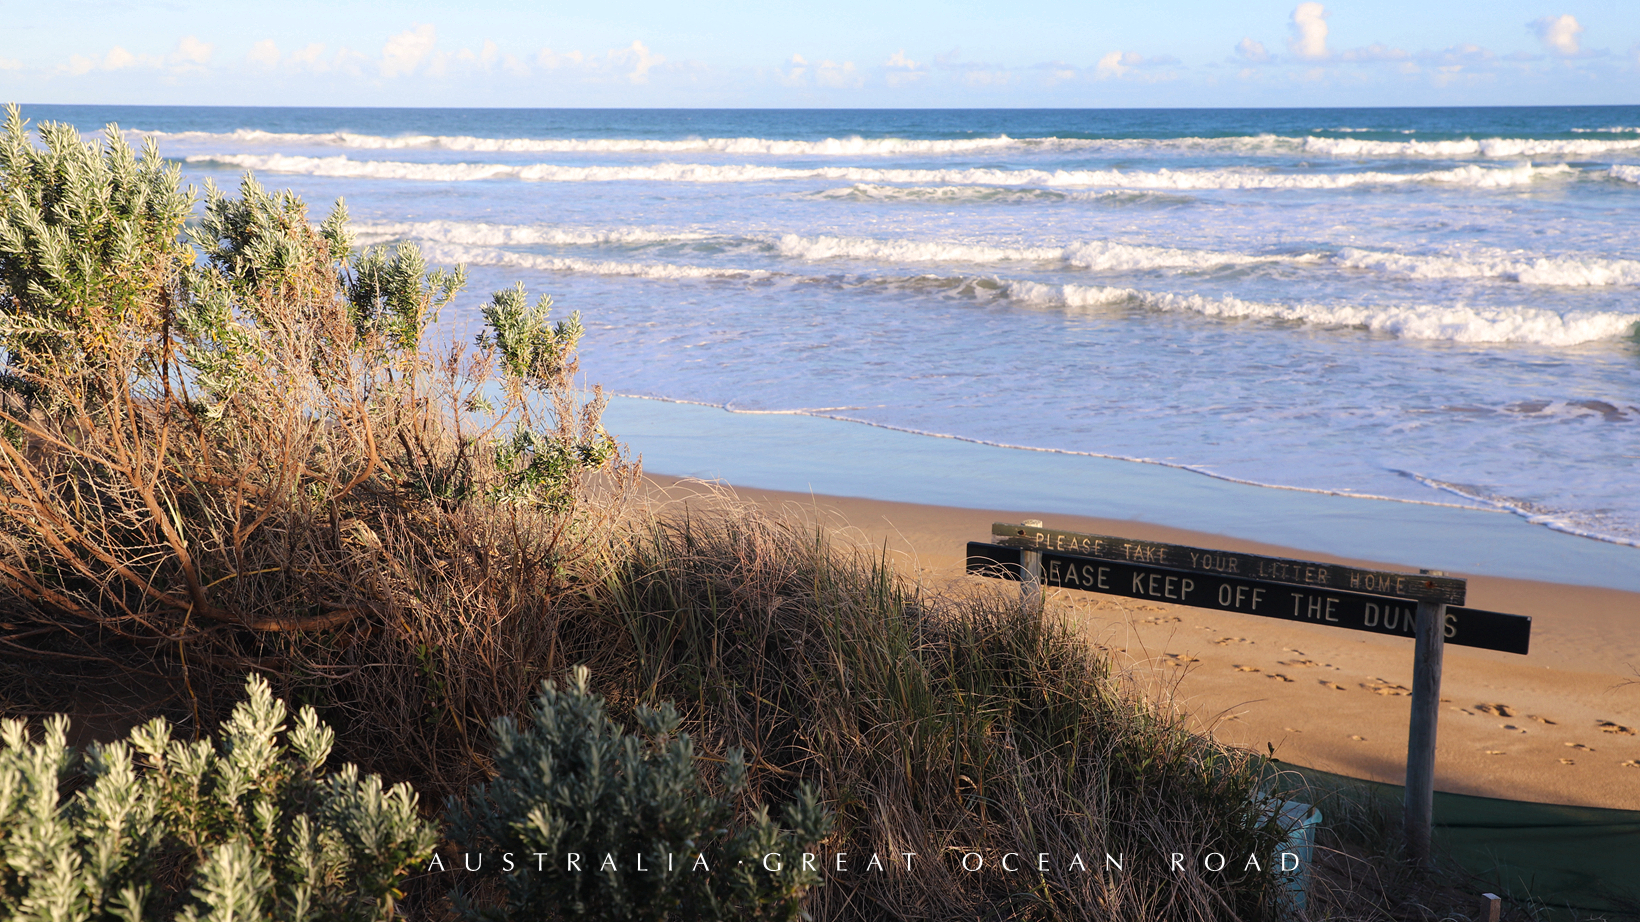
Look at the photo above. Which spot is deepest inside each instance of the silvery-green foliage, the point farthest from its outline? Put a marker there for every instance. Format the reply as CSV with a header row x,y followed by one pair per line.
x,y
88,238
533,349
570,781
540,470
259,238
395,295
266,832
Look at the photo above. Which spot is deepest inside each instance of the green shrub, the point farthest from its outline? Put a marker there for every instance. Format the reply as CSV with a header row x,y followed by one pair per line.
x,y
571,782
234,443
254,825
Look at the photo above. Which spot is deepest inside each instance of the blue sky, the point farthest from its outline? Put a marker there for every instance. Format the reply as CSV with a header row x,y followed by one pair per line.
x,y
842,53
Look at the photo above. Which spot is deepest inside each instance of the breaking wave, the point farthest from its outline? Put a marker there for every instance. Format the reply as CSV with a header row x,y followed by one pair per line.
x,y
488,256
1455,323
1468,147
345,167
1093,255
1571,271
858,146
1452,323
482,234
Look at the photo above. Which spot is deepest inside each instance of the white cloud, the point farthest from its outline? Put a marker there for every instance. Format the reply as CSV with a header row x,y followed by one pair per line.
x,y
1120,64
119,59
639,57
1559,34
487,57
793,74
405,51
10,64
1309,31
264,53
837,75
189,53
1117,63
898,59
902,70
310,58
1251,50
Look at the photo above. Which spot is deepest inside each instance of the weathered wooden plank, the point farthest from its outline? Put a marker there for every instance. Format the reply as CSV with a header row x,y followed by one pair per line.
x,y
1328,576
1266,598
1418,807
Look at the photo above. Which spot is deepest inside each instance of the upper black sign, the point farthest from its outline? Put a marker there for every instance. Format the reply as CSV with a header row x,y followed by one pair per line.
x,y
1466,627
1228,563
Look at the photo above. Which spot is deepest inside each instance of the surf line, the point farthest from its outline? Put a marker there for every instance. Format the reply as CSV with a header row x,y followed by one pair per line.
x,y
819,413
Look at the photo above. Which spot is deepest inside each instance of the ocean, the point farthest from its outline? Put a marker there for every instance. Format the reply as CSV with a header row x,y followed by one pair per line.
x,y
1422,306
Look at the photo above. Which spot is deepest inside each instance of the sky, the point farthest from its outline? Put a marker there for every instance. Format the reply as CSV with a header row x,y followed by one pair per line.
x,y
840,53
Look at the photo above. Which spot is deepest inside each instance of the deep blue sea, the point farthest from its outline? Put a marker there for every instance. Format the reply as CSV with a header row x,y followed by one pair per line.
x,y
1425,305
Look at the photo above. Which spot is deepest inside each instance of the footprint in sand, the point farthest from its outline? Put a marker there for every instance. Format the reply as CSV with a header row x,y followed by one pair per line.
x,y
1496,752
1359,739
1297,662
1499,710
1541,720
1568,761
1511,727
1156,620
1277,675
1180,659
1580,746
1229,640
1333,685
1630,763
1385,687
1246,668
1607,726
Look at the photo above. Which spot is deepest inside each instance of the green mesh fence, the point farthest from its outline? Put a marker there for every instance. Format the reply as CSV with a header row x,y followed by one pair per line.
x,y
1577,858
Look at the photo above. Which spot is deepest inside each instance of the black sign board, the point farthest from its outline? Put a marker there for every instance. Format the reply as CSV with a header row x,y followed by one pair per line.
x,y
1264,597
1321,576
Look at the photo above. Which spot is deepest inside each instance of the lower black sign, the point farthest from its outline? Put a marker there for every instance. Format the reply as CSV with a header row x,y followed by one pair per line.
x,y
1467,627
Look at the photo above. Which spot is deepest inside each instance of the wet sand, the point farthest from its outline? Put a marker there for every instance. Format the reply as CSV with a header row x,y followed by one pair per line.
x,y
1558,725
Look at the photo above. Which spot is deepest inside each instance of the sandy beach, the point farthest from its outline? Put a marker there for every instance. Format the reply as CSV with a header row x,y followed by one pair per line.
x,y
1556,726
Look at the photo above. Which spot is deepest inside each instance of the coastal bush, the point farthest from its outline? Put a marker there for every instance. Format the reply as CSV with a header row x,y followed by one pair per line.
x,y
231,444
572,788
253,826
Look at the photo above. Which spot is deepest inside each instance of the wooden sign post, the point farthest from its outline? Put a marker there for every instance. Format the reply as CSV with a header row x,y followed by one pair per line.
x,y
1425,606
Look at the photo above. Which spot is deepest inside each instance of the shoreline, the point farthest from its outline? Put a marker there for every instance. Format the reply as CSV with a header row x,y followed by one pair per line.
x,y
1555,726
842,459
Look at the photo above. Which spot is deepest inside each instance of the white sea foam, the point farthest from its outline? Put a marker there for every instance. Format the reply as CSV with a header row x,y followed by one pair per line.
x,y
1626,173
344,167
1427,322
857,147
828,147
875,192
484,234
1094,255
1570,271
1583,524
489,256
1468,147
1098,255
